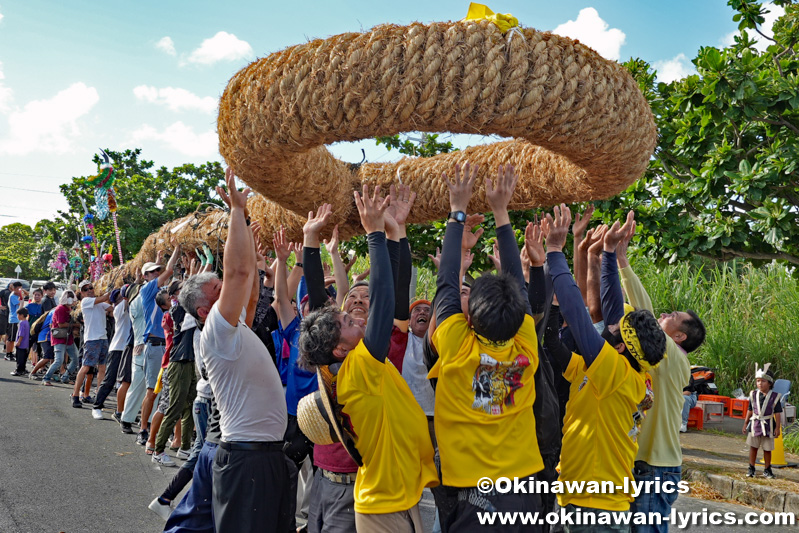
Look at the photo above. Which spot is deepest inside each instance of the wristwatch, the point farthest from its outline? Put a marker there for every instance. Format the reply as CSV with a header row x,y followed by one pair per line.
x,y
458,216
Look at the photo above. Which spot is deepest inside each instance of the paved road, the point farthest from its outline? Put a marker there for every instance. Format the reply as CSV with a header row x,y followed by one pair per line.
x,y
63,471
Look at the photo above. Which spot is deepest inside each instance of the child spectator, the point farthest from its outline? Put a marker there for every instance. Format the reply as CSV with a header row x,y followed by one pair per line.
x,y
764,411
22,342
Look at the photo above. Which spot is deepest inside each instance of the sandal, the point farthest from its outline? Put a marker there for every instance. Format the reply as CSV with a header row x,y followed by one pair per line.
x,y
148,450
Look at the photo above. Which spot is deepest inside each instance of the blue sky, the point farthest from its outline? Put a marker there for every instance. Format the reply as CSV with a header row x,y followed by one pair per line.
x,y
78,75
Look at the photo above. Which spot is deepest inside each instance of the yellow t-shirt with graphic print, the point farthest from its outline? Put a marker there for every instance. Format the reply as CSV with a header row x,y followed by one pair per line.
x,y
600,427
484,419
391,435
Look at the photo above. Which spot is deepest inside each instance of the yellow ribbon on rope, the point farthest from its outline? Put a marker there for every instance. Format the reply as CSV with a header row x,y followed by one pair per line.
x,y
504,21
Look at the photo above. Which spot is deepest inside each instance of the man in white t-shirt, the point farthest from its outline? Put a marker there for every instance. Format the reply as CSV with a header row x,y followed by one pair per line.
x,y
95,347
251,475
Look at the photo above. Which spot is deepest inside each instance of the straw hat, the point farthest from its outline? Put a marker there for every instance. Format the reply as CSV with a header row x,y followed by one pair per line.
x,y
319,414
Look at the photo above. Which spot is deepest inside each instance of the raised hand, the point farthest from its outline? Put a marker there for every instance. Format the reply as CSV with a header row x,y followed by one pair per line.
x,y
281,245
581,222
400,202
558,226
494,257
372,209
460,188
534,244
436,259
597,241
467,258
621,248
314,225
362,276
332,244
617,232
470,237
499,193
233,198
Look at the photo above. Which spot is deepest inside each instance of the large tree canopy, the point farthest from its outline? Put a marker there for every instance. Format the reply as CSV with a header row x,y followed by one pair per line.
x,y
724,180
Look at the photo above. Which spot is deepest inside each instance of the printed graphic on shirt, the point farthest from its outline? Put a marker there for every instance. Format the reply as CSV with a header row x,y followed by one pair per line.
x,y
495,383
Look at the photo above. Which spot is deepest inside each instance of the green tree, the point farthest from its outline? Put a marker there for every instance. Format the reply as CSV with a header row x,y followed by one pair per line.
x,y
146,200
724,181
17,247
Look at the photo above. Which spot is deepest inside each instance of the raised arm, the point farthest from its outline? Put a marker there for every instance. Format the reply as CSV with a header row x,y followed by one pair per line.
x,y
581,249
593,292
339,269
536,288
239,258
636,293
498,195
163,279
311,259
448,300
377,336
285,312
588,340
610,290
401,200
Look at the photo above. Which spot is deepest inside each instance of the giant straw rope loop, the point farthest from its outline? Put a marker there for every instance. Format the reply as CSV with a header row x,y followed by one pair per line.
x,y
580,127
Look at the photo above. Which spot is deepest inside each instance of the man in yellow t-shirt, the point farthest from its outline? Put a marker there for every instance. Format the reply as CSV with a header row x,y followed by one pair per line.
x,y
659,452
378,408
484,420
607,381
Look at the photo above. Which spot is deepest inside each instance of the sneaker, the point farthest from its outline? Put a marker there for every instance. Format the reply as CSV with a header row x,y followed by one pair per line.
x,y
76,402
87,399
97,414
9,358
66,381
142,437
126,427
183,454
163,459
751,472
33,376
160,509
15,373
117,416
767,473
684,428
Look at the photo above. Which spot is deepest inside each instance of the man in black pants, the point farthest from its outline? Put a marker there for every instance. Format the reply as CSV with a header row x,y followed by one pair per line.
x,y
251,475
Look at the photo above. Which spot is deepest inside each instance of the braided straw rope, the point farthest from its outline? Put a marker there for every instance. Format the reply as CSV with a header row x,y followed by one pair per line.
x,y
581,128
204,227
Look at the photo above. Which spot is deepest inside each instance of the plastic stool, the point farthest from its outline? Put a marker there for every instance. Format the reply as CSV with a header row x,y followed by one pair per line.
x,y
696,418
715,398
738,408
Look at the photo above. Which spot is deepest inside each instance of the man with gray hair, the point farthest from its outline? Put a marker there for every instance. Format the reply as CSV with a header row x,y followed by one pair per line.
x,y
251,475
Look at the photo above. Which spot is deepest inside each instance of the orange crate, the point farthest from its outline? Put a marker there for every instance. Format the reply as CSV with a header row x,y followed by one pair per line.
x,y
738,408
696,418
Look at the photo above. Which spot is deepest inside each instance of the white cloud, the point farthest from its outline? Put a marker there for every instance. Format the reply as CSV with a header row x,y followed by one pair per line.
x,y
166,45
673,69
181,138
774,12
221,47
6,94
175,99
592,31
49,125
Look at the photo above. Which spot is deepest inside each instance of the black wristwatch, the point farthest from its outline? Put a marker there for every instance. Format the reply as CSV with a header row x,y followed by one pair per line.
x,y
458,216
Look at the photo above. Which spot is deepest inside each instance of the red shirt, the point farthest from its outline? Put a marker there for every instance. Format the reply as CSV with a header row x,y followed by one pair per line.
x,y
169,333
61,316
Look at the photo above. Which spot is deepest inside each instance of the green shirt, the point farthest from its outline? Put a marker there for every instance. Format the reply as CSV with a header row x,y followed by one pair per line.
x,y
659,441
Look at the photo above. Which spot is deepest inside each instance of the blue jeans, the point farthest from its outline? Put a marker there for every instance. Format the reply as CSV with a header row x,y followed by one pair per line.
x,y
60,350
202,409
651,501
195,511
690,403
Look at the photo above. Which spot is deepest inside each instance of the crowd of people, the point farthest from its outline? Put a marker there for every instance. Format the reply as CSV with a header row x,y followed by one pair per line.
x,y
301,399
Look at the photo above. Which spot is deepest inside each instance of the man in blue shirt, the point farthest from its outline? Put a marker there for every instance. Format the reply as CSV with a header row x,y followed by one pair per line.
x,y
154,338
15,301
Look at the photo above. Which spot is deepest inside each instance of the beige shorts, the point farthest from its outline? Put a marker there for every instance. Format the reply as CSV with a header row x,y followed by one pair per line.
x,y
762,443
409,521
